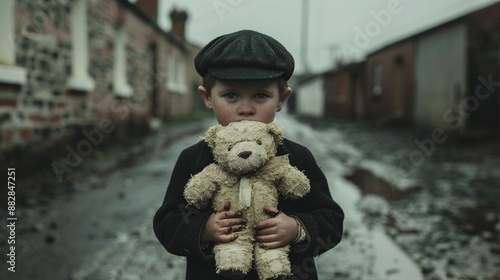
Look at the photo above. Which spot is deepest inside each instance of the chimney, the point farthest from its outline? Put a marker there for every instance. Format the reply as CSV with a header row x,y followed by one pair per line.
x,y
149,7
178,19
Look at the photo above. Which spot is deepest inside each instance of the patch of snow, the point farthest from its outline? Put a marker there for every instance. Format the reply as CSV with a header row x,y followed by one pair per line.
x,y
375,208
395,264
364,252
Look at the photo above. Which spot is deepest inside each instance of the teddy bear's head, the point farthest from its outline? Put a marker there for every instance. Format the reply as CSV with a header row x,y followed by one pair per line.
x,y
242,147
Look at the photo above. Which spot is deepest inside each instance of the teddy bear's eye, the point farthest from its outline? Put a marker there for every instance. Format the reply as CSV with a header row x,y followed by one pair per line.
x,y
230,147
259,142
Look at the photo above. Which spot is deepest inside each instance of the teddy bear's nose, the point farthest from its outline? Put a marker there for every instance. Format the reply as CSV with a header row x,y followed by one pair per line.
x,y
244,154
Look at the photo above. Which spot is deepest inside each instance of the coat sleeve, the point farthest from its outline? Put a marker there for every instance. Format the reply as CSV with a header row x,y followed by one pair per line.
x,y
177,225
321,216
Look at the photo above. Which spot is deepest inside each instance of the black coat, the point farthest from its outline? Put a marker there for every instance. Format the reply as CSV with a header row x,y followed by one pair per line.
x,y
178,226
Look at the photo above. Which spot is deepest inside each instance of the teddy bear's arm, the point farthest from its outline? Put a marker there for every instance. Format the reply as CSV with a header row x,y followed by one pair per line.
x,y
201,187
293,183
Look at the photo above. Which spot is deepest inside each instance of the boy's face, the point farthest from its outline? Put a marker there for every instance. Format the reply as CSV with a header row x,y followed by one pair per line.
x,y
234,101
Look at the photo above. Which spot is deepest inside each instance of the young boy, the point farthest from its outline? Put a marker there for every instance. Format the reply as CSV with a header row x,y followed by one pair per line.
x,y
245,77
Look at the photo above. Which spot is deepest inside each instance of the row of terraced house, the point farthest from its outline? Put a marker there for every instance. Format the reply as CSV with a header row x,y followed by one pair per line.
x,y
72,66
446,76
67,66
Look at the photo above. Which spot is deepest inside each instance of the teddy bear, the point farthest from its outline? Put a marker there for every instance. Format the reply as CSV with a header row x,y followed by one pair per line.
x,y
249,175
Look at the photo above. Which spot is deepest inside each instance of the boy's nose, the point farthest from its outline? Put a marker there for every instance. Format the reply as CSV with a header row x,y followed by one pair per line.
x,y
246,109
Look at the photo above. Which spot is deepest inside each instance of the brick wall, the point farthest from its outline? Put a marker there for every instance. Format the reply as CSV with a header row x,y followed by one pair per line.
x,y
38,111
383,102
44,110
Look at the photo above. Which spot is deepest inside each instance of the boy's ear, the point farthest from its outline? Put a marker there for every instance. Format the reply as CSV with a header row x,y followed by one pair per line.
x,y
283,97
211,135
206,97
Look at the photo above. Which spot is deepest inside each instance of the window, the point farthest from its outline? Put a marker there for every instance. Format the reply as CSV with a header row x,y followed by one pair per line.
x,y
80,79
176,74
181,77
9,72
120,86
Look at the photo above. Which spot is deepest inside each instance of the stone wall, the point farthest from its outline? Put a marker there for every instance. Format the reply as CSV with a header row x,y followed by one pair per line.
x,y
44,110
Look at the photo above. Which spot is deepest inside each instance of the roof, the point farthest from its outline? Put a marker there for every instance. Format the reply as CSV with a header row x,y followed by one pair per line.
x,y
301,79
432,27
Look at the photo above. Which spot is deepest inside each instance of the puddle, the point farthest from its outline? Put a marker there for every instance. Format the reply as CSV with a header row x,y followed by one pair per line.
x,y
472,226
377,194
369,183
480,220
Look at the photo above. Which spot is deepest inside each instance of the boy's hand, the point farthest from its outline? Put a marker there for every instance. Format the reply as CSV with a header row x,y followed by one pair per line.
x,y
277,231
222,226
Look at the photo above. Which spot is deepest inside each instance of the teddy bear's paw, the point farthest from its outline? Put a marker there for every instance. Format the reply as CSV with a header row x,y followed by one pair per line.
x,y
275,275
273,264
232,274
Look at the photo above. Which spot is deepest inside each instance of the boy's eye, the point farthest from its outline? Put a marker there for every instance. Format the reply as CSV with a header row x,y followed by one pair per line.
x,y
232,95
261,95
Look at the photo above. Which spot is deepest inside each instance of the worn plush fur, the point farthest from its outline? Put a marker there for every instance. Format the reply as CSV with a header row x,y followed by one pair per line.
x,y
247,173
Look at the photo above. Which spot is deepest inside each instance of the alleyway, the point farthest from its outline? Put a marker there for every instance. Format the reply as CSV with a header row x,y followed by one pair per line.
x,y
438,219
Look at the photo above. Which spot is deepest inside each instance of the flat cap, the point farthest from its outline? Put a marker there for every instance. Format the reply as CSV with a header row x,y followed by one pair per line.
x,y
245,55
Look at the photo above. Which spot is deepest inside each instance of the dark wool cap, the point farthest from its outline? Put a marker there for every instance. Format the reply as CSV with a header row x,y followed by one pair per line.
x,y
245,55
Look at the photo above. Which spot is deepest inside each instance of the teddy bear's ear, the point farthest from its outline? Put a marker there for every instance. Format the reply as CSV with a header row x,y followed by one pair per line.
x,y
276,132
210,136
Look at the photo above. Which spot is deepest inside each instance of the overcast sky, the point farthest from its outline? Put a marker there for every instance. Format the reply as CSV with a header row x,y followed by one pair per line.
x,y
336,28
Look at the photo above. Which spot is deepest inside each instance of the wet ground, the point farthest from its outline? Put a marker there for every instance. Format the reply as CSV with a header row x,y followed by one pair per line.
x,y
441,201
436,216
